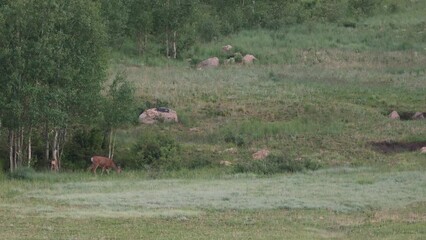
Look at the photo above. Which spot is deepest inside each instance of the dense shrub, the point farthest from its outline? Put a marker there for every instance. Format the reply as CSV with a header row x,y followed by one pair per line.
x,y
363,7
276,164
196,158
23,173
234,138
84,144
155,150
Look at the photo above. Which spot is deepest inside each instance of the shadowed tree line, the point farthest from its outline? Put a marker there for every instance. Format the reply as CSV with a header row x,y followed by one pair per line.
x,y
52,67
171,27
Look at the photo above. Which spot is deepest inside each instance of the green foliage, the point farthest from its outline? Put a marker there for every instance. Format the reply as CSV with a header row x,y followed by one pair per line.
x,y
235,138
363,7
274,164
194,158
155,150
116,16
84,144
119,106
51,76
23,173
209,29
156,27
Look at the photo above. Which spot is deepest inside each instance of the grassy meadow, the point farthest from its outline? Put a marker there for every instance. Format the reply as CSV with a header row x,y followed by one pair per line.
x,y
319,93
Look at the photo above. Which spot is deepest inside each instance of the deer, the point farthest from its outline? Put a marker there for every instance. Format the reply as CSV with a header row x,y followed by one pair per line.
x,y
103,162
54,167
54,163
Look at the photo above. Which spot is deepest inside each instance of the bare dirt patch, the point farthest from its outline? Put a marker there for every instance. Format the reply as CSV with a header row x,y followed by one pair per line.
x,y
397,147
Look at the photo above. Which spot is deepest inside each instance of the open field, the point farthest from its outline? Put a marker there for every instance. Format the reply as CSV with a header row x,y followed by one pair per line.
x,y
320,93
341,203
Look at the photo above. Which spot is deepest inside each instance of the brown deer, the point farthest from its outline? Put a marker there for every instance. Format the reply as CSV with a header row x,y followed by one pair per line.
x,y
103,162
54,166
54,163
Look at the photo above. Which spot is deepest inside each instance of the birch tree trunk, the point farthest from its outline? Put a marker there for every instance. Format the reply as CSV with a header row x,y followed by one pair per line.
x,y
174,45
113,146
15,150
110,144
46,139
20,147
167,46
55,161
29,147
11,154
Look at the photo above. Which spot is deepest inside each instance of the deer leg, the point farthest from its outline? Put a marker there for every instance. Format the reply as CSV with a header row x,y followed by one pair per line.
x,y
94,169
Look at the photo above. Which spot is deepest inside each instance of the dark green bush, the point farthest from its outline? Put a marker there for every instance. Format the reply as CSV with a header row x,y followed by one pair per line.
x,y
363,7
234,138
196,159
155,150
84,144
23,173
276,164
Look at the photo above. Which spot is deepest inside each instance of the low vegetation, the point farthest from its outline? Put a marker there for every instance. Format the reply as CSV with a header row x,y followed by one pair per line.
x,y
340,203
318,98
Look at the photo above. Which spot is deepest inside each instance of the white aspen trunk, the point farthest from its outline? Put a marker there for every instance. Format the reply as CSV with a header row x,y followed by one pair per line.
x,y
46,135
20,147
11,140
29,147
15,150
111,132
55,145
174,45
113,146
167,46
55,149
62,143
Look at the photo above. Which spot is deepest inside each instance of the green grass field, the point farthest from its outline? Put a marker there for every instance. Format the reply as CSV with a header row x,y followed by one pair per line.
x,y
337,203
319,92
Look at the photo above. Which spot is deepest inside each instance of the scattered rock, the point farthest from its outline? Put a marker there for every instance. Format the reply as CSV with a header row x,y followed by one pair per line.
x,y
153,115
212,62
229,61
418,116
227,48
248,59
194,129
225,163
231,150
261,154
394,115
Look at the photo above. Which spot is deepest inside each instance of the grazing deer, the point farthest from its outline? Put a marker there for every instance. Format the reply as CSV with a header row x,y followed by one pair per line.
x,y
103,162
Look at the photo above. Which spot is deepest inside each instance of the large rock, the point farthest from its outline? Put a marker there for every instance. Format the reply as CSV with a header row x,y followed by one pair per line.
x,y
423,150
212,62
418,116
161,114
248,59
394,115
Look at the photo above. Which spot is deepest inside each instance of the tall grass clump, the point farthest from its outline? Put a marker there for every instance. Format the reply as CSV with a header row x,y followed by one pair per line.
x,y
154,150
274,164
23,173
